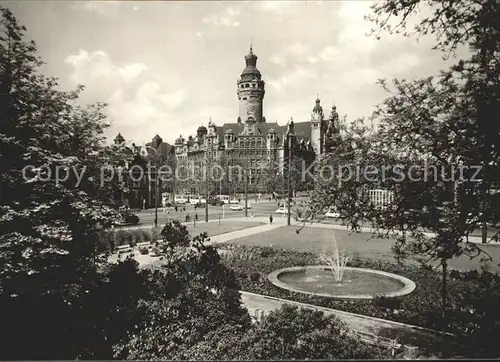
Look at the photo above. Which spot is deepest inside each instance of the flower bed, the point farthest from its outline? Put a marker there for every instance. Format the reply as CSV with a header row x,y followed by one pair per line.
x,y
422,307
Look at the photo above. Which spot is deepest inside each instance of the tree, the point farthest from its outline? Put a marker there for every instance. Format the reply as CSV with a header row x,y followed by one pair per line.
x,y
459,108
51,267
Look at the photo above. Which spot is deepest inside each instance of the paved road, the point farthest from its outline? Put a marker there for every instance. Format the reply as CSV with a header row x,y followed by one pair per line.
x,y
262,208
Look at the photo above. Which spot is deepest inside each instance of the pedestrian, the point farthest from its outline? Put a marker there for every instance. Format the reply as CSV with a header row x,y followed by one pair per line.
x,y
187,217
196,216
270,219
184,209
176,208
195,207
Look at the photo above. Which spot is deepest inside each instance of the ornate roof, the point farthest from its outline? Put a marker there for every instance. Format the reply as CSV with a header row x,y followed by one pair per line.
x,y
251,66
119,139
317,108
179,140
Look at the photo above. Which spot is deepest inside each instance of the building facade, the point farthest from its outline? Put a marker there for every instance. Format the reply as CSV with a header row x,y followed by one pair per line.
x,y
232,157
136,167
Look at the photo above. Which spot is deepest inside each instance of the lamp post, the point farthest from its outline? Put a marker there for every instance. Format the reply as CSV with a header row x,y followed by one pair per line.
x,y
156,163
246,187
289,177
206,187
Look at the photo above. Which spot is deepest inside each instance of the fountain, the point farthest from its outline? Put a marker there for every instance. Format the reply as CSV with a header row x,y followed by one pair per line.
x,y
337,280
336,261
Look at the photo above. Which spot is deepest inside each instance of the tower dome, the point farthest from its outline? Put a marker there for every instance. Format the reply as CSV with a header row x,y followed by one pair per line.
x,y
251,66
202,131
179,140
317,108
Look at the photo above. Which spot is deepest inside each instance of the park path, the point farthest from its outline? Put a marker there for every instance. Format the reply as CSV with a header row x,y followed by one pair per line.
x,y
370,329
222,238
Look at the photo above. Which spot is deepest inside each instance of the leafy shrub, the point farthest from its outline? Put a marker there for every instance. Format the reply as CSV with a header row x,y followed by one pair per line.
x,y
120,237
389,303
254,277
144,236
129,238
131,219
292,333
267,251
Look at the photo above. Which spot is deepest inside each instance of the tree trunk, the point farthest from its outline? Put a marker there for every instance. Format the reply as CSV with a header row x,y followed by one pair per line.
x,y
444,265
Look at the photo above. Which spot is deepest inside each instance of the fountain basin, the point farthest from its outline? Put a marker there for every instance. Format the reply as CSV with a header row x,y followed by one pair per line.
x,y
357,283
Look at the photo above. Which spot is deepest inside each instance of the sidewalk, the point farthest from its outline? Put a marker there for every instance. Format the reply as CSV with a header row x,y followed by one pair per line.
x,y
222,238
369,328
472,239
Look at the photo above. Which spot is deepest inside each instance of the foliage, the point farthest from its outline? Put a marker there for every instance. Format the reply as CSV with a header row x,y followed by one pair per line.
x,y
132,219
57,295
193,294
292,333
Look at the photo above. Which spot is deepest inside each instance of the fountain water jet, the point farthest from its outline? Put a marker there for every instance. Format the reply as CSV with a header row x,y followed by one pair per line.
x,y
335,260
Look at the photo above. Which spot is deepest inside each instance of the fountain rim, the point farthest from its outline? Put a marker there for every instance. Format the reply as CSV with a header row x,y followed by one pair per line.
x,y
408,285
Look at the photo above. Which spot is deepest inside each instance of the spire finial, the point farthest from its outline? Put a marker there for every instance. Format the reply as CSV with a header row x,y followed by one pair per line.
x,y
251,49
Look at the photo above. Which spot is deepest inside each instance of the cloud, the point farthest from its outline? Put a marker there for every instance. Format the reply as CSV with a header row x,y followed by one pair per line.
x,y
293,77
228,17
101,8
137,99
91,66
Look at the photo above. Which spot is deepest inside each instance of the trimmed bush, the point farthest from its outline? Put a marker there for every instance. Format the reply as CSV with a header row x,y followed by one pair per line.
x,y
131,219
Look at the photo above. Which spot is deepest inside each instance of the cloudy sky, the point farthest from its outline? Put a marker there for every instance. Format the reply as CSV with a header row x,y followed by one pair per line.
x,y
166,67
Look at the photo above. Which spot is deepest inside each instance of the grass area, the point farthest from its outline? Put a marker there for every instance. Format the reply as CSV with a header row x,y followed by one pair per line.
x,y
213,228
358,244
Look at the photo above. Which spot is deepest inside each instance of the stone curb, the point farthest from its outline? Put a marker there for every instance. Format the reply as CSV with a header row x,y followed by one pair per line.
x,y
408,285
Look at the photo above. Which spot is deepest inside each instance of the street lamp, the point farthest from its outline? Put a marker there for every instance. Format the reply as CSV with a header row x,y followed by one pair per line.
x,y
246,188
289,177
156,163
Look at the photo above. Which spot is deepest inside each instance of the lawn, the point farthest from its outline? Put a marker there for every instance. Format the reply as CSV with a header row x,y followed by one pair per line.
x,y
358,244
213,228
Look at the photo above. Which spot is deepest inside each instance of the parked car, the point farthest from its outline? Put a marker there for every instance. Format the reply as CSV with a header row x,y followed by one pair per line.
x,y
216,202
282,210
332,214
234,201
237,207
